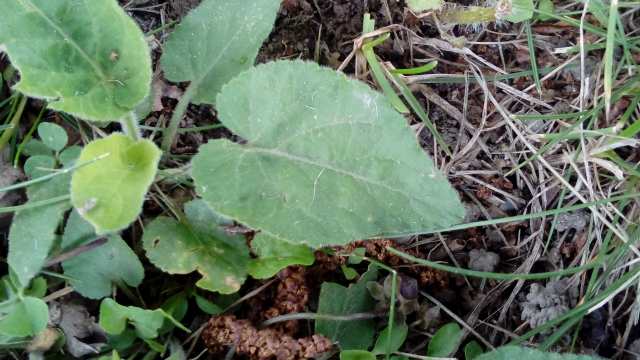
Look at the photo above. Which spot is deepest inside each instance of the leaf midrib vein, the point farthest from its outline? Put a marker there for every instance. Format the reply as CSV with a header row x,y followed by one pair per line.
x,y
28,4
301,159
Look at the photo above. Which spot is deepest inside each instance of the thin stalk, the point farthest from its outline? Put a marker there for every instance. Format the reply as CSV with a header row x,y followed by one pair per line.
x,y
492,275
315,316
34,204
15,120
130,126
52,175
516,218
178,113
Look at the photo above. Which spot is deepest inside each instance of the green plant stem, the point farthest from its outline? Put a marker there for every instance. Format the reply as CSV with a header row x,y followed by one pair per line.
x,y
28,136
34,204
516,218
130,126
495,276
15,120
315,316
51,176
178,113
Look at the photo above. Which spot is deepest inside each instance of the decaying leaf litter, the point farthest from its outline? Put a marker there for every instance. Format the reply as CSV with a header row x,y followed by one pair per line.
x,y
493,123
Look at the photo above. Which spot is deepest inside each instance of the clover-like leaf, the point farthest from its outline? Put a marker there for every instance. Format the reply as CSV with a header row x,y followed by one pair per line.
x,y
522,353
275,254
198,243
53,136
109,192
33,230
86,57
336,299
23,317
115,317
112,262
215,42
325,160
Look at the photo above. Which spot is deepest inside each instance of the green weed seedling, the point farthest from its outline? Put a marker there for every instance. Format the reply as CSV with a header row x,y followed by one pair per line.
x,y
325,160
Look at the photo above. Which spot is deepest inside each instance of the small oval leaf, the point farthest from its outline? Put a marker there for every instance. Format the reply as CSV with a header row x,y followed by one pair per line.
x,y
109,192
445,341
53,135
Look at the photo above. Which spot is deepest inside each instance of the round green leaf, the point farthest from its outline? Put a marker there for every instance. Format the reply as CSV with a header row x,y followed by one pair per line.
x,y
445,341
23,317
52,135
39,165
86,57
109,192
325,161
69,155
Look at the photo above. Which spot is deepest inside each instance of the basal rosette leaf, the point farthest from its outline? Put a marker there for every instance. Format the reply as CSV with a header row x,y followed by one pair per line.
x,y
198,244
325,160
215,42
85,57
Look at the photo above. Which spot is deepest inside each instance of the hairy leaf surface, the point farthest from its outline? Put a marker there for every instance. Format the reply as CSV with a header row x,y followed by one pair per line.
x,y
109,192
86,57
113,262
33,231
215,42
325,161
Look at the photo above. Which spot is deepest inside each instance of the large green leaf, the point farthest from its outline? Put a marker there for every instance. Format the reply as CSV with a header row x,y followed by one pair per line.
x,y
23,317
86,57
215,42
199,244
325,161
109,192
115,317
33,231
275,254
522,353
336,299
113,262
